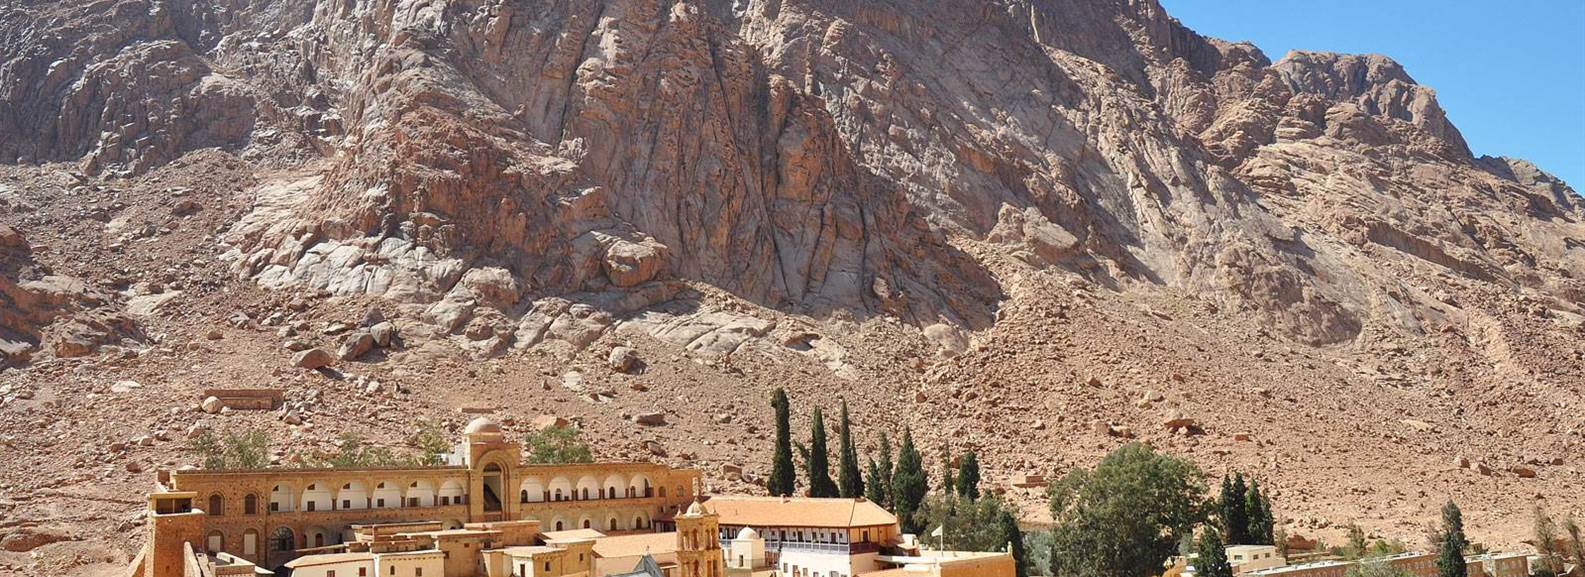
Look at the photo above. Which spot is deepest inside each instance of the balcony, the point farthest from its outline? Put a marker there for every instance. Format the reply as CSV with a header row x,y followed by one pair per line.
x,y
810,547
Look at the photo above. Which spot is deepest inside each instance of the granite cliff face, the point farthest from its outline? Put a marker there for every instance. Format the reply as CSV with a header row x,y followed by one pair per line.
x,y
807,156
507,175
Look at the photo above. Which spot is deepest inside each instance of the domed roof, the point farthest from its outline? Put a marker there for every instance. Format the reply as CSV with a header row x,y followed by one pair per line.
x,y
696,509
748,534
481,425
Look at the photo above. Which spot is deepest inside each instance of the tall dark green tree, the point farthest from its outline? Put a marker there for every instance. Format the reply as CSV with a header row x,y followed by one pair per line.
x,y
874,489
782,481
948,482
909,484
881,479
1213,556
1232,510
850,482
1125,517
1261,521
969,476
1007,527
818,461
1450,551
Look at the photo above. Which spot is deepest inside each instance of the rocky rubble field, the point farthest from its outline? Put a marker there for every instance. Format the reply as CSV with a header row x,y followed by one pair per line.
x,y
1033,229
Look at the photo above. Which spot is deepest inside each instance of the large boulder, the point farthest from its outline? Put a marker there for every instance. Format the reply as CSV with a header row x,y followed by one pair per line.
x,y
356,345
622,360
312,359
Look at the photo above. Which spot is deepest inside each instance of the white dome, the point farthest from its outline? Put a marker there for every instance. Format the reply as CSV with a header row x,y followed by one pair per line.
x,y
481,425
748,534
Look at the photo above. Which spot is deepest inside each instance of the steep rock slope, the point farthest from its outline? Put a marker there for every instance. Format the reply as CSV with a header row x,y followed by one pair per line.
x,y
1010,224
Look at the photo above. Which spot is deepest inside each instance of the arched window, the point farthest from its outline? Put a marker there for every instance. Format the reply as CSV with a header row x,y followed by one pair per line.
x,y
558,525
613,524
558,495
586,523
216,542
250,542
250,505
524,498
586,493
282,540
638,522
216,505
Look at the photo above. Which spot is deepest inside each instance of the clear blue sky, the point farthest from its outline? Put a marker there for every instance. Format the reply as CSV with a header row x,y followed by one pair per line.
x,y
1510,73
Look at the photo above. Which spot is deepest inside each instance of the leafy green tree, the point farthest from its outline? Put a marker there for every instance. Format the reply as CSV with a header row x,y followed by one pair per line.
x,y
1375,568
969,476
850,483
909,484
430,440
1551,563
556,446
1124,518
1037,547
1261,520
782,481
1576,543
1356,547
817,461
973,525
353,451
1212,561
248,450
1450,549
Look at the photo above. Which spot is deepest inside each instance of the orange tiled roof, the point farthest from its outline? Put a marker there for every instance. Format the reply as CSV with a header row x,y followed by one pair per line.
x,y
799,512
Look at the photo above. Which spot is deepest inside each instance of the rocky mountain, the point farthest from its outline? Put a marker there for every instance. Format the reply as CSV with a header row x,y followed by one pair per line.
x,y
1018,223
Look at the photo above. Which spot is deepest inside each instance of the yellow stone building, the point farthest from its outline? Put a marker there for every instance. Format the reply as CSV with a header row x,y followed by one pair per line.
x,y
269,517
485,514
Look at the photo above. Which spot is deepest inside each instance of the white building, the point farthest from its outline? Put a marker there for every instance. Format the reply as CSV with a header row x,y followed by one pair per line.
x,y
804,537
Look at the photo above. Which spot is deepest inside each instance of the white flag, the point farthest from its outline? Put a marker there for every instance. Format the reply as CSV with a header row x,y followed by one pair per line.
x,y
937,532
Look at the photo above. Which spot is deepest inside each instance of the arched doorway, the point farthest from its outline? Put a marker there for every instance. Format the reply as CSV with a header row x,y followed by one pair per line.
x,y
493,480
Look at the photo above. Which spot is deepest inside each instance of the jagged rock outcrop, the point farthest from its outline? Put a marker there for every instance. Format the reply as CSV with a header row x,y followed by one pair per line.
x,y
810,156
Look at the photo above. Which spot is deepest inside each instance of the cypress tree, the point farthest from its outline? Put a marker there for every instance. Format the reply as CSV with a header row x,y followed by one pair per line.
x,y
819,459
948,483
1258,508
969,476
875,490
1235,517
1450,552
883,480
1213,556
909,484
850,483
781,481
1010,534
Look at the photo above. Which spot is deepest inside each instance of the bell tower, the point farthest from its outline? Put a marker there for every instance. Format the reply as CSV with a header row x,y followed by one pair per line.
x,y
493,459
699,543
